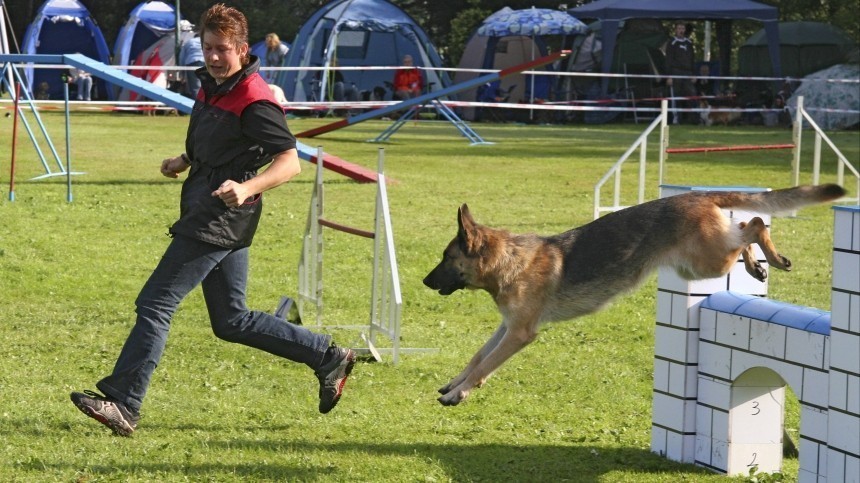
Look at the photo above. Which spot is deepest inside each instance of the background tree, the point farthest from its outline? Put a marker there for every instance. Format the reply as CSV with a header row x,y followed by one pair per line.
x,y
449,24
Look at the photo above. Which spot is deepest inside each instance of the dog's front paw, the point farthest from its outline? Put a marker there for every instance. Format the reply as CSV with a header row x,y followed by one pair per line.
x,y
786,263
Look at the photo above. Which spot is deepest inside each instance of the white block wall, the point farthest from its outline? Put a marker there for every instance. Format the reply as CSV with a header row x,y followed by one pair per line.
x,y
843,442
676,358
744,364
706,419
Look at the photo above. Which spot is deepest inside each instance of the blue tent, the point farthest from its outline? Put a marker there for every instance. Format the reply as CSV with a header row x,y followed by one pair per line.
x,y
612,12
358,33
147,22
64,27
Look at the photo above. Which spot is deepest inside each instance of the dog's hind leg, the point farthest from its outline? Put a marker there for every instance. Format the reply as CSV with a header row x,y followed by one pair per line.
x,y
755,231
512,341
476,359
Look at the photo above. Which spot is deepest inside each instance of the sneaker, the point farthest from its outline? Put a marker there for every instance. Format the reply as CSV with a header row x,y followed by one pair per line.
x,y
107,411
332,377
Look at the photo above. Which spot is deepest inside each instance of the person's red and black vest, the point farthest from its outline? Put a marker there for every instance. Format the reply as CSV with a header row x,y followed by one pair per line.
x,y
235,129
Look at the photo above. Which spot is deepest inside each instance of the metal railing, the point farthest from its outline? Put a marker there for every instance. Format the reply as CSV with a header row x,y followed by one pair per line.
x,y
641,143
842,161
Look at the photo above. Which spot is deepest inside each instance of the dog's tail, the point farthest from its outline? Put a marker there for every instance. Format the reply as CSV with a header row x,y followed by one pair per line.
x,y
781,200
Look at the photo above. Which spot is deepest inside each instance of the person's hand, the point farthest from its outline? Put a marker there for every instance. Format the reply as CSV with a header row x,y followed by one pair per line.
x,y
232,193
171,167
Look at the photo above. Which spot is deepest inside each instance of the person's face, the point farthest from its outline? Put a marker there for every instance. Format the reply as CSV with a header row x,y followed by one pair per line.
x,y
407,60
223,59
680,30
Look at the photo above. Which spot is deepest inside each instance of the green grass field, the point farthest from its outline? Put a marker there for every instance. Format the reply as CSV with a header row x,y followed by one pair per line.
x,y
573,406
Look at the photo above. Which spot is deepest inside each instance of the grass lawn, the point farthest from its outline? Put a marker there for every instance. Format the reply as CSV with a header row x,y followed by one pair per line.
x,y
573,406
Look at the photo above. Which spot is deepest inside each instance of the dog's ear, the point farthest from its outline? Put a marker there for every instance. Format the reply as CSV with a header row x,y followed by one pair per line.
x,y
464,218
468,232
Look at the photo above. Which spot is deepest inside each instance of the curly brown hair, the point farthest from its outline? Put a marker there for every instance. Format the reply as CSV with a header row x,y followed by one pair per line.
x,y
226,22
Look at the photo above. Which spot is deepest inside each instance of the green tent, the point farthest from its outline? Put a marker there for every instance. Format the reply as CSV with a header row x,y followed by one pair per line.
x,y
805,47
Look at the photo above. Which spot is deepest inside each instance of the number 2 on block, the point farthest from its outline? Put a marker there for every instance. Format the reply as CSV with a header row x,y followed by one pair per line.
x,y
753,463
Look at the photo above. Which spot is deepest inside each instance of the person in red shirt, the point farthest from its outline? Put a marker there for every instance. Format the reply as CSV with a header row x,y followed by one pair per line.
x,y
407,82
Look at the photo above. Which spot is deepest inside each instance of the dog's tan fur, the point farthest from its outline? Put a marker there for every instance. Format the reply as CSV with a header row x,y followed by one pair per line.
x,y
535,279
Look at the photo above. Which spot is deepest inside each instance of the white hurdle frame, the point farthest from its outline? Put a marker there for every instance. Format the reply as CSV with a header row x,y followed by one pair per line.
x,y
386,300
662,119
797,131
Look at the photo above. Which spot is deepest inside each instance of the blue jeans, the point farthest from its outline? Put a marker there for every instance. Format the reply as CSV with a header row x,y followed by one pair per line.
x,y
224,274
85,86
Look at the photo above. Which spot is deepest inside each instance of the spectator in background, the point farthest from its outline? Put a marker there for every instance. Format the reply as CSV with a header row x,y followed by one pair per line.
x,y
84,81
336,89
407,82
275,54
191,55
705,84
679,62
44,92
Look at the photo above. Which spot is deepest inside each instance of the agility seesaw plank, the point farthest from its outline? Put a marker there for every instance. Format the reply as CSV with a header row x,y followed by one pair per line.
x,y
185,105
424,98
178,102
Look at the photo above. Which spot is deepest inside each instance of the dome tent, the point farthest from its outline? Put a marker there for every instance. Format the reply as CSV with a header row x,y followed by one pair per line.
x,y
805,47
358,33
64,27
149,63
147,22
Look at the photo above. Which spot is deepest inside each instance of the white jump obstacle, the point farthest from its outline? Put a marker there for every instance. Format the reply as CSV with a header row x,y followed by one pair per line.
x,y
386,301
723,355
661,125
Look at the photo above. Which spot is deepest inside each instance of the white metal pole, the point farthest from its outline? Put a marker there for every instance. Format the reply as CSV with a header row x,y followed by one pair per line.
x,y
4,44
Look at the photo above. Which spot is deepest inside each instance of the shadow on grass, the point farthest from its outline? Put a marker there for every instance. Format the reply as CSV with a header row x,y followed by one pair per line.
x,y
156,181
498,462
460,462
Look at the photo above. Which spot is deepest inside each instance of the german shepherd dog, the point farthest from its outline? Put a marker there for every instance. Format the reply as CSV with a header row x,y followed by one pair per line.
x,y
535,279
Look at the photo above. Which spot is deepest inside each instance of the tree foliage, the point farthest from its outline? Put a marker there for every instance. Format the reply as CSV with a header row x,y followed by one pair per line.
x,y
449,24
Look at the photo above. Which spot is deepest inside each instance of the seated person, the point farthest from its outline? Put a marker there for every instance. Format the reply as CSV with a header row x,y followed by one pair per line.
x,y
44,92
407,82
84,81
280,98
704,84
491,92
336,88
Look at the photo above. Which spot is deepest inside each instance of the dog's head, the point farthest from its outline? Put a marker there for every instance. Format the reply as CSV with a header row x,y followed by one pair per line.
x,y
458,268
